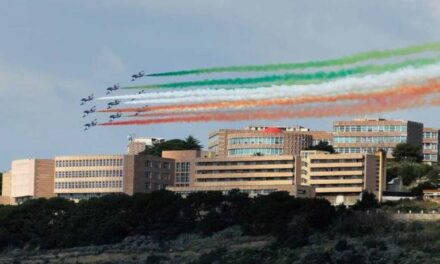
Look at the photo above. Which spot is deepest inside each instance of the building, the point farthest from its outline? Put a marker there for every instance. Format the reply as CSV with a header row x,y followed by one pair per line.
x,y
258,141
341,178
146,173
31,178
431,137
184,164
252,174
371,135
5,197
138,144
83,177
321,136
432,195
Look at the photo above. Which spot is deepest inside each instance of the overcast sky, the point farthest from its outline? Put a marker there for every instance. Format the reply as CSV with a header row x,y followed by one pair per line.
x,y
54,52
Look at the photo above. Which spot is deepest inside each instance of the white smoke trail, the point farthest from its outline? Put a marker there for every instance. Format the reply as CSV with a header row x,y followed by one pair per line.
x,y
359,84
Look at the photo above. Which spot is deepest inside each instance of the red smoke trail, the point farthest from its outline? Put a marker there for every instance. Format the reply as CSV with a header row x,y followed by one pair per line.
x,y
399,101
432,86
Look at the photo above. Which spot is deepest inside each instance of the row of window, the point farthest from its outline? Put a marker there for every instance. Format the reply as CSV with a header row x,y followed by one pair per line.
x,y
348,150
430,135
157,164
256,140
430,157
379,139
255,151
155,186
353,177
337,169
363,128
334,161
89,163
88,185
432,146
241,163
338,185
245,179
86,174
241,171
157,175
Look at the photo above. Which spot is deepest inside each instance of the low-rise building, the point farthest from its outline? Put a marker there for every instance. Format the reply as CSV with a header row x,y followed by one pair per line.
x,y
252,174
341,178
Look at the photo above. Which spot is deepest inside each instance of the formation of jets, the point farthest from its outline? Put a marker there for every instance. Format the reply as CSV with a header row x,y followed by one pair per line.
x,y
109,90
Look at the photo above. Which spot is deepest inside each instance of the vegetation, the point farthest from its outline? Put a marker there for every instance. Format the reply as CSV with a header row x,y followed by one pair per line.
x,y
322,146
294,230
408,152
190,143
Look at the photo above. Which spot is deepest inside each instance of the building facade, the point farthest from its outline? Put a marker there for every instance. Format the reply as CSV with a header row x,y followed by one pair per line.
x,y
431,137
31,178
371,135
255,175
5,197
146,173
258,141
184,167
341,178
83,177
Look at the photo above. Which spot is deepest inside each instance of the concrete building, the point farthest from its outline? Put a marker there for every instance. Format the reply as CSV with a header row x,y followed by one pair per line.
x,y
258,141
431,137
321,136
371,135
5,197
138,144
254,175
145,173
31,178
340,178
83,177
184,167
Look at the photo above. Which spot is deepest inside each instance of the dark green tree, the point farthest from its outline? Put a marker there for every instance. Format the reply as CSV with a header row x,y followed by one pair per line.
x,y
408,152
190,143
322,146
368,201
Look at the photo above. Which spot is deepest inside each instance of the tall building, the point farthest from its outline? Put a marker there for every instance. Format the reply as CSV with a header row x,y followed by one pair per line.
x,y
371,135
431,137
253,174
138,144
258,141
83,177
321,136
31,178
340,178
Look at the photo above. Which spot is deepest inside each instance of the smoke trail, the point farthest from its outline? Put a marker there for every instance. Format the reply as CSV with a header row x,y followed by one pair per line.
x,y
384,80
291,78
414,91
370,106
313,64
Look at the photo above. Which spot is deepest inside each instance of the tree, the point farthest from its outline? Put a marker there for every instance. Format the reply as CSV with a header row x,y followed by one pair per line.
x,y
408,152
322,146
367,201
190,143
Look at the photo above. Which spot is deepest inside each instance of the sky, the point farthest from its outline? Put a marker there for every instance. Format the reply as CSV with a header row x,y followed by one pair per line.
x,y
53,52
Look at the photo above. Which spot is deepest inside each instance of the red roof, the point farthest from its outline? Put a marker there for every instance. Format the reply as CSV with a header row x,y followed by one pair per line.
x,y
274,130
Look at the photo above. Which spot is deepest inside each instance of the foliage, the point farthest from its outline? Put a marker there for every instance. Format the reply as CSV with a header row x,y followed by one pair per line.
x,y
190,143
408,152
368,201
322,146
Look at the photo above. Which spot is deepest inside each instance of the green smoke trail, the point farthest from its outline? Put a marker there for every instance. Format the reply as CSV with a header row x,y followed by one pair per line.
x,y
312,64
290,78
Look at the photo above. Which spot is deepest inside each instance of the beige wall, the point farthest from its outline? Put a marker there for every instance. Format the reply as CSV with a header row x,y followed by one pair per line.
x,y
182,159
23,178
44,178
5,198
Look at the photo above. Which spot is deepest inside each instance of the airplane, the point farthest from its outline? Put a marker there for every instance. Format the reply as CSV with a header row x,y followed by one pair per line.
x,y
90,125
87,99
113,117
141,92
137,75
140,110
87,112
113,88
115,102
